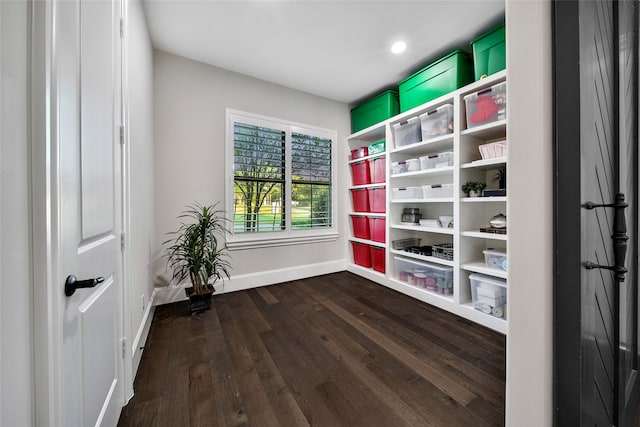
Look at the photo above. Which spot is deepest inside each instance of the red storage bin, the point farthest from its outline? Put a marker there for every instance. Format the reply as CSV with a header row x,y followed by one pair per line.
x,y
360,173
378,170
377,199
378,259
361,254
360,226
359,152
377,229
360,197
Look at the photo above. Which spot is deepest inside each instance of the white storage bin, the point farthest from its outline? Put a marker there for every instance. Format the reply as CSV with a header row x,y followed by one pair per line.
x,y
413,165
433,277
493,149
437,122
402,193
434,161
407,133
487,105
437,190
495,258
399,167
489,295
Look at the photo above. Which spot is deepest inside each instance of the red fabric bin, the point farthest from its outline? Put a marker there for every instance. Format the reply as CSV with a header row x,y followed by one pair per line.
x,y
361,254
377,229
360,226
378,170
378,259
377,199
360,198
360,173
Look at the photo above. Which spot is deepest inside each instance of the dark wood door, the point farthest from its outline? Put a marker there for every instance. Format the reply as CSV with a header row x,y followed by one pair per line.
x,y
596,111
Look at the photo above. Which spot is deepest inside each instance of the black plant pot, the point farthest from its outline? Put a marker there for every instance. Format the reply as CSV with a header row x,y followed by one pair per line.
x,y
201,302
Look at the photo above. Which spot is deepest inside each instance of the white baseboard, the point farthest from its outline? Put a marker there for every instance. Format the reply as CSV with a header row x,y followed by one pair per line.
x,y
174,293
143,332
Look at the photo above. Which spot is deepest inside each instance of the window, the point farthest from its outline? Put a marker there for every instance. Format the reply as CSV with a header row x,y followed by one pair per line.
x,y
279,181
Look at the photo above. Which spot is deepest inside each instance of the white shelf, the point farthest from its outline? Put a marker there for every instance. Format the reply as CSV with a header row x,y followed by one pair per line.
x,y
481,267
432,200
362,159
367,214
485,163
367,242
481,235
464,143
423,257
438,230
483,199
448,170
489,131
432,145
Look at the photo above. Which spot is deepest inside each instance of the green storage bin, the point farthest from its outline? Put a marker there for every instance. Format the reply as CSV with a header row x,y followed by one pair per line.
x,y
374,110
443,76
489,53
377,147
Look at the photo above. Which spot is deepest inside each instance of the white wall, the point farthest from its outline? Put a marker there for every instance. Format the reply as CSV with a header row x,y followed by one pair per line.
x,y
16,349
190,103
140,149
529,394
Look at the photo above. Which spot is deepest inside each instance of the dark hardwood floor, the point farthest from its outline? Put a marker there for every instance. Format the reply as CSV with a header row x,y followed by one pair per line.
x,y
334,350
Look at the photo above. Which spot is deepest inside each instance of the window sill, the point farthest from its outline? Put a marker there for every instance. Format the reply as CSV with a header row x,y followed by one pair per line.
x,y
256,243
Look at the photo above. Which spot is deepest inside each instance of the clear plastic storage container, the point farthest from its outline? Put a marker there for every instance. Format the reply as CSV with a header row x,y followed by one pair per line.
x,y
489,295
434,161
407,133
487,105
433,277
403,193
437,191
495,258
437,122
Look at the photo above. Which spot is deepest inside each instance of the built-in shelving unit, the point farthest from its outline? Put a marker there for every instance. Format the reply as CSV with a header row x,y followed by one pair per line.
x,y
470,214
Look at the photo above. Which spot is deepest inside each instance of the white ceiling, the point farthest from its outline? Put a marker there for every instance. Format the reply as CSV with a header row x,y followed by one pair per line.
x,y
335,49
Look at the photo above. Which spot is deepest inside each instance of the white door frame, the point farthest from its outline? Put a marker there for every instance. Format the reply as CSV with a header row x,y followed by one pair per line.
x,y
45,219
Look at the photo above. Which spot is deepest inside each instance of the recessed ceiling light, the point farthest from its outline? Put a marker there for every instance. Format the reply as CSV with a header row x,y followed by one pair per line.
x,y
398,47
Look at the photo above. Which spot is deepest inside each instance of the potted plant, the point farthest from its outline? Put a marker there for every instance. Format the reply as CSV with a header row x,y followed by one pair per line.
x,y
474,188
197,251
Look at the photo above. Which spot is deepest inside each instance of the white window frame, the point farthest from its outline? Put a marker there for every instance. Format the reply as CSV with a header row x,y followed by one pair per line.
x,y
287,236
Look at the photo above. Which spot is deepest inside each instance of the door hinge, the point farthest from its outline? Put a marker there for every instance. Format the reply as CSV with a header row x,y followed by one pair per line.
x,y
124,347
121,28
123,241
121,134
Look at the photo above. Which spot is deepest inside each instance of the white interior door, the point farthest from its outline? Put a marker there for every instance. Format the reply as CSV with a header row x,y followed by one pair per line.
x,y
87,63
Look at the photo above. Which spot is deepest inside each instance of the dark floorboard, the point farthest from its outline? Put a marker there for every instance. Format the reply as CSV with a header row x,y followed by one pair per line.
x,y
333,350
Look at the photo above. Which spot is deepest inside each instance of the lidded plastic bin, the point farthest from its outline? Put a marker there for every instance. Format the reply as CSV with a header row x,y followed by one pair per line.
x,y
360,226
360,198
359,152
493,150
361,254
489,295
399,167
407,133
378,170
375,110
437,79
377,147
437,190
378,259
377,199
496,258
487,105
402,193
489,53
437,122
433,277
434,161
377,230
360,174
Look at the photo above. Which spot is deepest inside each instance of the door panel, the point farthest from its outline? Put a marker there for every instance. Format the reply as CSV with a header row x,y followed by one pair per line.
x,y
87,46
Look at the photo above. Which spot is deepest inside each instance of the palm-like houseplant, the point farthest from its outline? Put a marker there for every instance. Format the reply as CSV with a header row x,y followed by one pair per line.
x,y
197,251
